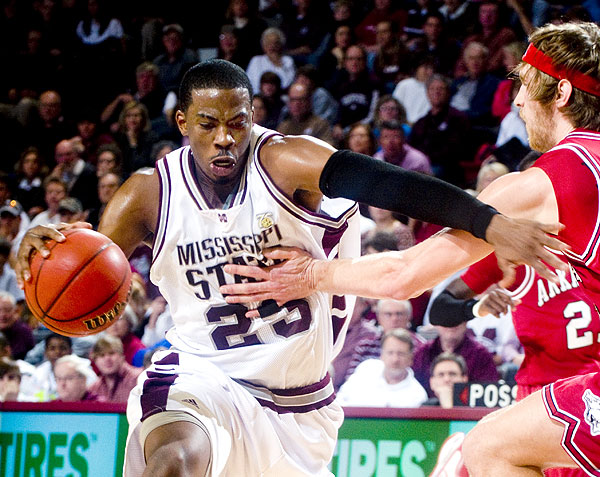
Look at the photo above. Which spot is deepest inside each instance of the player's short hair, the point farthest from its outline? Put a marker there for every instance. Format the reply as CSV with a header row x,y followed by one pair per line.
x,y
215,73
573,46
400,334
56,336
448,356
107,343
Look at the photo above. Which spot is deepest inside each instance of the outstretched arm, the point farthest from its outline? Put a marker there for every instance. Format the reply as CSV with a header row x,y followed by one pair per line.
x,y
405,274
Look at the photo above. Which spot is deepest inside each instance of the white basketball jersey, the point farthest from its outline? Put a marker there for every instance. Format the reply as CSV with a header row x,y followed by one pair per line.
x,y
293,346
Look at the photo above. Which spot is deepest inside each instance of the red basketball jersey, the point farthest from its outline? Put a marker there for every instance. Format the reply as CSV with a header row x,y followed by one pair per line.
x,y
556,324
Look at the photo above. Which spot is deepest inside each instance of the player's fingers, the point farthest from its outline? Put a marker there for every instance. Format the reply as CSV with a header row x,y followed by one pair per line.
x,y
283,253
25,250
247,298
252,314
74,225
250,271
544,271
238,289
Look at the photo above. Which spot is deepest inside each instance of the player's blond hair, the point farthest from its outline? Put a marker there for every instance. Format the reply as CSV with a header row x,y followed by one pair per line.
x,y
574,46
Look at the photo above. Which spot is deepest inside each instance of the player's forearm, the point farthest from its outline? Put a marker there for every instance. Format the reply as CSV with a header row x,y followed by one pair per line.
x,y
358,177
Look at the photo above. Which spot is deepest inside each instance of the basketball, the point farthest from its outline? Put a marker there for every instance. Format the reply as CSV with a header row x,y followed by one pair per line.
x,y
82,287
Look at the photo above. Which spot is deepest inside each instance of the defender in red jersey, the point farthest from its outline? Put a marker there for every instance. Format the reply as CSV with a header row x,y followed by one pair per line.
x,y
559,100
555,322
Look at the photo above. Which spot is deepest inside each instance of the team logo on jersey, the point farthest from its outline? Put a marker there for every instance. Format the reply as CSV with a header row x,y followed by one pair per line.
x,y
592,411
222,217
265,221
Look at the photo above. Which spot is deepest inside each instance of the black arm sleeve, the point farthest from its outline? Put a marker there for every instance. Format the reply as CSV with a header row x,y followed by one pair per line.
x,y
447,310
364,179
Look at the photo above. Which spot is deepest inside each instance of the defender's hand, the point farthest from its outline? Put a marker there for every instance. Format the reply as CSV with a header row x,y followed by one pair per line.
x,y
496,302
518,241
35,239
289,280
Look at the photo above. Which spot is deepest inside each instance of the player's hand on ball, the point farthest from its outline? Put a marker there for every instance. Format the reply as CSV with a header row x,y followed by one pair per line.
x,y
35,239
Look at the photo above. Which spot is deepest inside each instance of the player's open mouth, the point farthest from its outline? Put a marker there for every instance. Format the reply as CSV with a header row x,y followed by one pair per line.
x,y
222,165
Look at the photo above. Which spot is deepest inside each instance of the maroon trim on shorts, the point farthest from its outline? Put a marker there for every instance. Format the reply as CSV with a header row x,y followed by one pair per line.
x,y
156,388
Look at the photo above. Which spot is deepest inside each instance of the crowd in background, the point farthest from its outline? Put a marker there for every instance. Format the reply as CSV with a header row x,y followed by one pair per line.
x,y
88,96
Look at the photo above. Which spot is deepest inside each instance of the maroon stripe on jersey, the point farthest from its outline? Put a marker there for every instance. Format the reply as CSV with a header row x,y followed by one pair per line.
x,y
189,186
311,388
332,237
296,409
571,425
337,322
160,207
156,393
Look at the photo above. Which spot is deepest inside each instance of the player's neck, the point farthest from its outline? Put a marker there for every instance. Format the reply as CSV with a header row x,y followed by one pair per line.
x,y
219,194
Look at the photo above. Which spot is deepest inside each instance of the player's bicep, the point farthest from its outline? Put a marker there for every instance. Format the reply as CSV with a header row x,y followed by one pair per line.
x,y
524,195
130,216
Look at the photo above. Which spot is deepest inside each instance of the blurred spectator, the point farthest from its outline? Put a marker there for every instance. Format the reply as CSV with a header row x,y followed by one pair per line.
x,y
79,176
361,328
10,381
412,92
388,108
248,27
447,369
90,136
417,15
480,361
97,27
503,97
159,322
473,93
135,137
305,24
386,222
12,228
117,377
259,110
148,92
395,150
30,172
17,333
273,42
436,44
43,380
333,59
360,138
54,191
323,103
123,329
8,277
459,16
383,11
176,59
302,119
70,210
489,173
492,34
390,59
109,159
354,89
108,184
443,133
50,125
270,92
512,125
72,374
161,148
388,381
229,47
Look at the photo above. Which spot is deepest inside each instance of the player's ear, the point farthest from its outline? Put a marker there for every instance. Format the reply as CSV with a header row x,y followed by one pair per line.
x,y
181,122
564,90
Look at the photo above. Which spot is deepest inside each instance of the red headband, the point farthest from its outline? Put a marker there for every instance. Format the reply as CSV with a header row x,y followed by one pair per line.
x,y
540,60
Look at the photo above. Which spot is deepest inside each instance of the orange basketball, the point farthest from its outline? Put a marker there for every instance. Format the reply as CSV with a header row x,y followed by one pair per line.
x,y
82,287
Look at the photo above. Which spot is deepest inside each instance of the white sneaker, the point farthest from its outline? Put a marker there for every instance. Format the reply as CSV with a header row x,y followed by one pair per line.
x,y
450,461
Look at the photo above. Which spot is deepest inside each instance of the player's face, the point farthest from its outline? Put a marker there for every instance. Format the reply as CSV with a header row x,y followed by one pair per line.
x,y
218,124
539,120
396,355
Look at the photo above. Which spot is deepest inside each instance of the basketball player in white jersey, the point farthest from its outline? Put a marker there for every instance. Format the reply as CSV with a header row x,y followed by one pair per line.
x,y
236,396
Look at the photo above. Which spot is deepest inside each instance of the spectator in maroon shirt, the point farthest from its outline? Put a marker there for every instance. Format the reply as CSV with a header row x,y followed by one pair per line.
x,y
480,362
71,373
123,329
117,378
19,335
